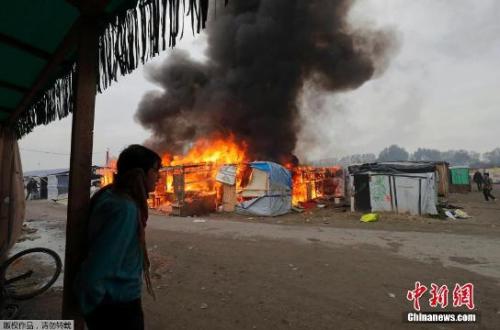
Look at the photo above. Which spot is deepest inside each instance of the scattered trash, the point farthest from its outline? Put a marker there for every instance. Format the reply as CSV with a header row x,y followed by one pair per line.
x,y
321,206
204,306
392,295
199,220
297,209
369,217
461,214
456,214
450,215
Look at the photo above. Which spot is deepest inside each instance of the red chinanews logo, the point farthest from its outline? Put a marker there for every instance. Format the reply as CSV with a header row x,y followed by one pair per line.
x,y
463,295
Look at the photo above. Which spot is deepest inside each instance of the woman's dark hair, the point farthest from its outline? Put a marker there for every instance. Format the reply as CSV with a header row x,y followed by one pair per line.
x,y
132,167
137,156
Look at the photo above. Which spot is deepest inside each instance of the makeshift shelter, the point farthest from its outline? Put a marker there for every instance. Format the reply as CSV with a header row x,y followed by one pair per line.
x,y
54,57
268,192
401,187
51,183
311,183
226,175
459,179
57,185
443,178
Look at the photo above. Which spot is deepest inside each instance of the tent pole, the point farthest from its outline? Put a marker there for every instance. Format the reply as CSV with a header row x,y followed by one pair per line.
x,y
80,163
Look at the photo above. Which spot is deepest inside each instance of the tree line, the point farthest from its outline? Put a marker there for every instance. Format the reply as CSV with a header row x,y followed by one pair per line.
x,y
397,153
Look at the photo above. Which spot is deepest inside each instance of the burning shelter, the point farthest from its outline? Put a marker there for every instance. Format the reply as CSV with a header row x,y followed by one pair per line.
x,y
268,192
262,188
312,183
187,190
401,187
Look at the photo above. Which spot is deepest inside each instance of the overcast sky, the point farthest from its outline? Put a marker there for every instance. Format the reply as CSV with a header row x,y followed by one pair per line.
x,y
440,90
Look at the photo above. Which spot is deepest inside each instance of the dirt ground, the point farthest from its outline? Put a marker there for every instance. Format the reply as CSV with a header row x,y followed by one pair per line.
x,y
320,269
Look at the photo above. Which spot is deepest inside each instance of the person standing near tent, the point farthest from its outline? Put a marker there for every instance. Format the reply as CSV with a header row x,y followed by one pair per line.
x,y
488,187
108,285
478,179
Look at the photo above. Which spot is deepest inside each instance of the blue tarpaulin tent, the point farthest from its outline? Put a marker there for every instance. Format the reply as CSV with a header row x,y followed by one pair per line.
x,y
269,190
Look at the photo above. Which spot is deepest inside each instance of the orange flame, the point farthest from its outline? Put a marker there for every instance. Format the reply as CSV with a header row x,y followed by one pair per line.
x,y
310,183
208,155
107,172
215,151
200,165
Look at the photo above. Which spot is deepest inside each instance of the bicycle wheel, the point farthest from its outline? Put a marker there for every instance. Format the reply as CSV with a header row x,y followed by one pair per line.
x,y
31,272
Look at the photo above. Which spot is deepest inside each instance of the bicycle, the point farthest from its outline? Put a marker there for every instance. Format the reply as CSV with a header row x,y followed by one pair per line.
x,y
22,279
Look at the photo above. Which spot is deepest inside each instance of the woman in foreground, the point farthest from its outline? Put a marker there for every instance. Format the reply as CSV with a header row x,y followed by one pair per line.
x,y
108,285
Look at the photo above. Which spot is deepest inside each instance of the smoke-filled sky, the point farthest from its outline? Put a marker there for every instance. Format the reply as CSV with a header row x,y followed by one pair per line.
x,y
438,89
261,55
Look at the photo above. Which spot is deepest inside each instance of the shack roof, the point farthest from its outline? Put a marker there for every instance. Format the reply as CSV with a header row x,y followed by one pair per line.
x,y
393,167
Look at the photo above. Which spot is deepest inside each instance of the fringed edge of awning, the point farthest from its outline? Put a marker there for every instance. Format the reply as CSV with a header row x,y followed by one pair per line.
x,y
127,39
55,103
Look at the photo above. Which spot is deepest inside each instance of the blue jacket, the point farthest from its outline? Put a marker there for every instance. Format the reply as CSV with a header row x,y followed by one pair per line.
x,y
113,266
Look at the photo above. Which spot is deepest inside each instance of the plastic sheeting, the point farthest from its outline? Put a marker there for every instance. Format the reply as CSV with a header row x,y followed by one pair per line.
x,y
57,185
459,175
12,203
393,167
266,206
227,174
278,175
276,198
413,193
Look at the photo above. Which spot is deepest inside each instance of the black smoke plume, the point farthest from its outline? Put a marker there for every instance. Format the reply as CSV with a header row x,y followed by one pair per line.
x,y
260,53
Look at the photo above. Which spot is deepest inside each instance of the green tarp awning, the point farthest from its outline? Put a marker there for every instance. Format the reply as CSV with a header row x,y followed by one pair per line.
x,y
37,52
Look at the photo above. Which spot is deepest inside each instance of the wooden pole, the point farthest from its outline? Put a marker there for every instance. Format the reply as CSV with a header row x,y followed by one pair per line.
x,y
80,163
